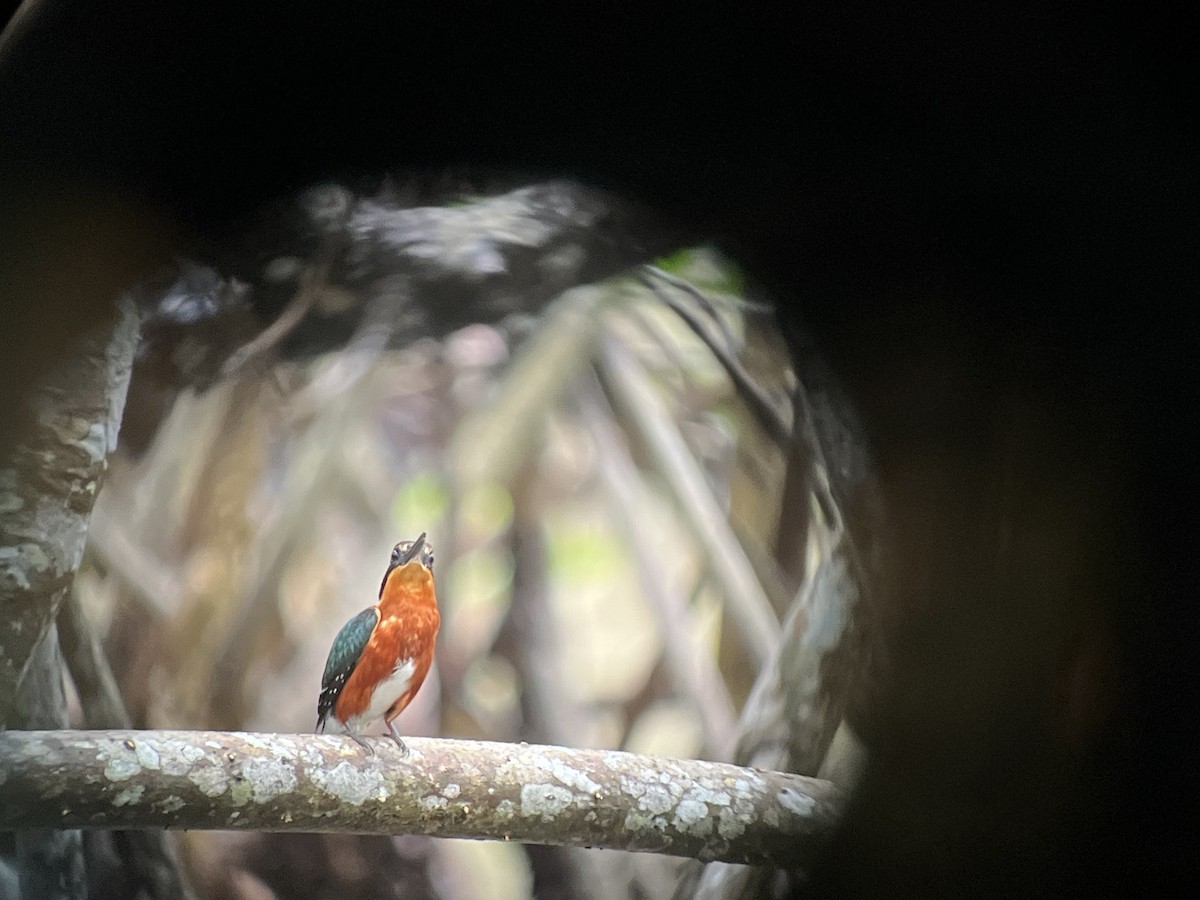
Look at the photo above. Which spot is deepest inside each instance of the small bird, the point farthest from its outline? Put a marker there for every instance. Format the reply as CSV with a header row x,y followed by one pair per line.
x,y
380,658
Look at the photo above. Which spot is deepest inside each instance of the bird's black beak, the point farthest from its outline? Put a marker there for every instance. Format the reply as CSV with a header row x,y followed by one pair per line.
x,y
414,551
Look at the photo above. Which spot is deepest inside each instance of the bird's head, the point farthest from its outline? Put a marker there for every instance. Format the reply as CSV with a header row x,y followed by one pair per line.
x,y
406,552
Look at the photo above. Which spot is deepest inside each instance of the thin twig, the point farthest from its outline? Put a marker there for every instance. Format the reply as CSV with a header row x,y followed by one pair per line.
x,y
494,442
355,361
154,584
669,349
694,672
314,280
293,314
702,299
636,400
315,474
765,410
99,696
739,302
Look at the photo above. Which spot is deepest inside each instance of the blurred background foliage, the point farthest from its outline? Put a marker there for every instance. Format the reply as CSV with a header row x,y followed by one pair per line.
x,y
578,473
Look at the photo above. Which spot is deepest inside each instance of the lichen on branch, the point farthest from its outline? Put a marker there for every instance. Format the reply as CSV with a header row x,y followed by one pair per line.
x,y
446,788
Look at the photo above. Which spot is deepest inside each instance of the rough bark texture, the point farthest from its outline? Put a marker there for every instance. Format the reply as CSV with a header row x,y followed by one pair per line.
x,y
48,485
465,789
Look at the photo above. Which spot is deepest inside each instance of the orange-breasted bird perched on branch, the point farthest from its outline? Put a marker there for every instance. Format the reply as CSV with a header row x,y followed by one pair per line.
x,y
380,658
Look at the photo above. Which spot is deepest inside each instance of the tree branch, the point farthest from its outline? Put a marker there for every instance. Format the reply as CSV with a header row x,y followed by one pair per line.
x,y
99,696
465,789
793,712
151,582
637,402
694,672
764,409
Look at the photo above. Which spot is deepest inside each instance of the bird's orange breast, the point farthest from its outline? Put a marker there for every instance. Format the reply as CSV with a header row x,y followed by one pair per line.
x,y
407,630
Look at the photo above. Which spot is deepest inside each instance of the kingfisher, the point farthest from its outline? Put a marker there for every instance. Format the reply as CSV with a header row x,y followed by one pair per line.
x,y
380,658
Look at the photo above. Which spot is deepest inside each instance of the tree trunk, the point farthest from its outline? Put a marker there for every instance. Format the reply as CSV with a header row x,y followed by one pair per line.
x,y
47,487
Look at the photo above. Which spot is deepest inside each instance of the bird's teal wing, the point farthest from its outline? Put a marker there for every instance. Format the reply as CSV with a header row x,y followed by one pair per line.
x,y
343,657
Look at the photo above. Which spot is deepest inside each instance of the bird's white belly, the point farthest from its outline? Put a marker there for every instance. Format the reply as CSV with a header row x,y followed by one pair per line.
x,y
386,693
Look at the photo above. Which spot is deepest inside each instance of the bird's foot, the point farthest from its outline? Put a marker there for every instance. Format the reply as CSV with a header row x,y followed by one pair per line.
x,y
362,742
396,737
